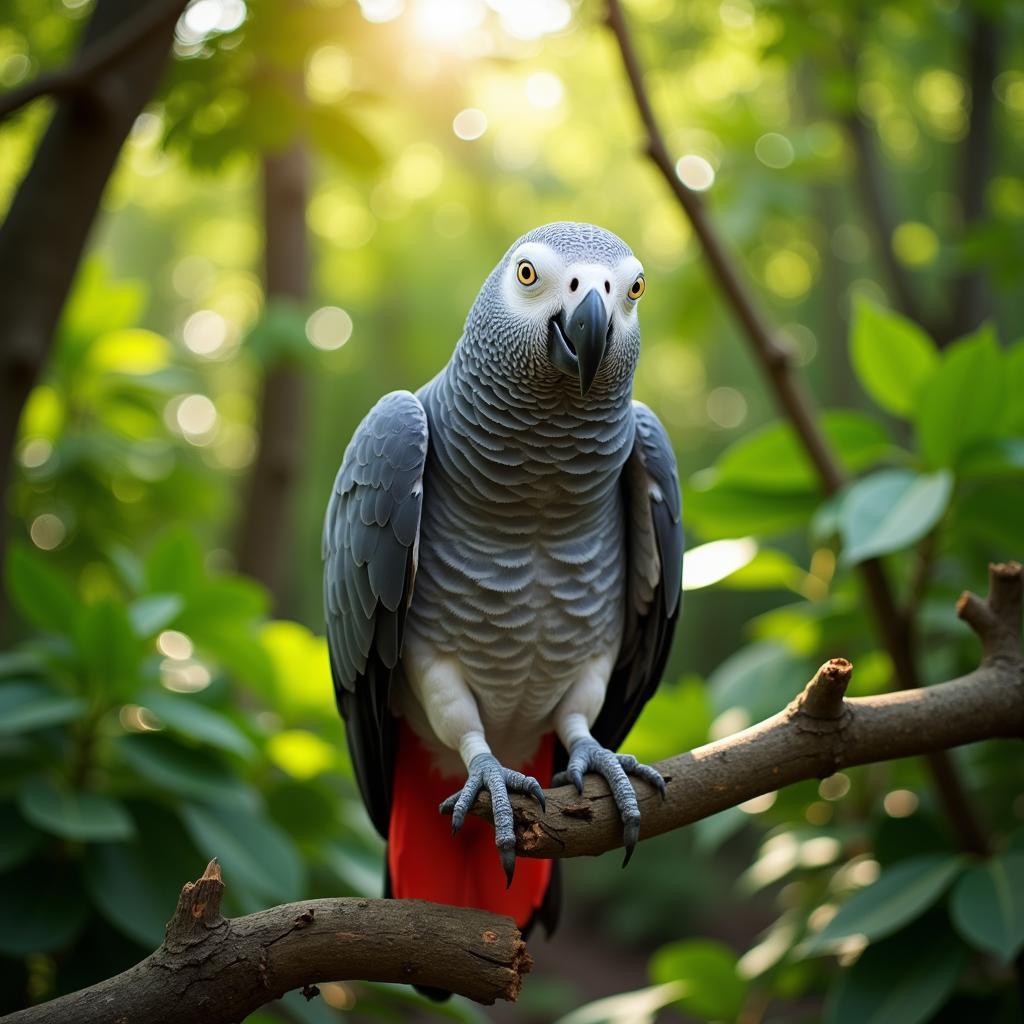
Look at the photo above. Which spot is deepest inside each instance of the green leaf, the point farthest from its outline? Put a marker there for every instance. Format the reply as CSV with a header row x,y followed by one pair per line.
x,y
641,1005
187,717
988,905
758,678
722,511
773,459
135,884
42,909
677,717
26,706
254,852
39,592
1013,414
87,817
902,893
891,356
108,646
17,838
903,980
187,771
150,614
890,510
712,990
964,399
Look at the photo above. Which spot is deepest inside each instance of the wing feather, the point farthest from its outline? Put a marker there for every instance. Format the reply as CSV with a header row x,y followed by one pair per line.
x,y
371,532
654,549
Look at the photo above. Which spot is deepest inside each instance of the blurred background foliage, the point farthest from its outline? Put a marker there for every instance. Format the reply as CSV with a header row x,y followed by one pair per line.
x,y
158,708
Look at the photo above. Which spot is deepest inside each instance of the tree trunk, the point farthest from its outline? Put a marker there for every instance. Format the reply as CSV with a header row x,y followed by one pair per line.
x,y
265,530
48,223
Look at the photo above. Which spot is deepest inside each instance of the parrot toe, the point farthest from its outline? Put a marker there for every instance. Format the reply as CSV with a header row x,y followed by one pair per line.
x,y
486,772
587,755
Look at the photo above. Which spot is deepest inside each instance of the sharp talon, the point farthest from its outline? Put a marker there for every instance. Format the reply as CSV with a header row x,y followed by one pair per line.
x,y
538,794
508,862
630,835
577,781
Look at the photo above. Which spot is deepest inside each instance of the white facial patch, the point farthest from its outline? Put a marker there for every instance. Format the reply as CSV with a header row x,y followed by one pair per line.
x,y
559,285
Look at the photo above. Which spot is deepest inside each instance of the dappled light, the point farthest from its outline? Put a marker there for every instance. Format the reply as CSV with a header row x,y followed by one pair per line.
x,y
231,226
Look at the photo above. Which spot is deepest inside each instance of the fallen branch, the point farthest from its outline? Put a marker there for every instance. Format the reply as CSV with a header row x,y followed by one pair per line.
x,y
892,622
211,970
818,734
214,970
91,63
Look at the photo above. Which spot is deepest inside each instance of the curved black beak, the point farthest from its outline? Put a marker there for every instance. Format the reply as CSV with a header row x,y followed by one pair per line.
x,y
578,339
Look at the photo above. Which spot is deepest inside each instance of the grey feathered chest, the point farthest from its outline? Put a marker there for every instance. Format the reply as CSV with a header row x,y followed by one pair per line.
x,y
521,573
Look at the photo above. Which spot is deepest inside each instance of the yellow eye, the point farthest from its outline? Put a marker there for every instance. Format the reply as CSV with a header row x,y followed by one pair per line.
x,y
637,288
526,273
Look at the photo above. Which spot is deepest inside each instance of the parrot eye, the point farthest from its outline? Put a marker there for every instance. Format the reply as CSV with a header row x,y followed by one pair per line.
x,y
637,288
526,273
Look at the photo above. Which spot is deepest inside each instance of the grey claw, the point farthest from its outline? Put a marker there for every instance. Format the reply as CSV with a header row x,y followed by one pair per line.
x,y
538,794
508,863
577,780
630,835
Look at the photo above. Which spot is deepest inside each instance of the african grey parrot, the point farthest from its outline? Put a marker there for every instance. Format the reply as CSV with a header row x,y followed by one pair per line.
x,y
503,558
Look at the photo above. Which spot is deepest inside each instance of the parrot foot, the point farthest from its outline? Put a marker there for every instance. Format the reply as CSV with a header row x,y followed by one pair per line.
x,y
485,772
587,755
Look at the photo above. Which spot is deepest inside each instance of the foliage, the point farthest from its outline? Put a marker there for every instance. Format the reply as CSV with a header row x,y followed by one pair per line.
x,y
152,715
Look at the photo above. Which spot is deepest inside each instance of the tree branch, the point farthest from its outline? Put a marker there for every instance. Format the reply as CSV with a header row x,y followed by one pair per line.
x,y
892,624
91,63
818,734
970,301
214,970
210,970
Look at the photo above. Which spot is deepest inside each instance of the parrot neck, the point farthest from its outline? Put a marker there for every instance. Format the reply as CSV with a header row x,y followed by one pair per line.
x,y
500,442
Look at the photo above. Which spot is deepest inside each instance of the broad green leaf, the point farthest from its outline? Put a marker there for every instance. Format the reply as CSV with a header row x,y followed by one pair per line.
x,y
17,838
963,401
721,511
39,592
891,356
903,980
902,893
768,570
761,678
150,614
175,564
25,706
87,817
135,884
253,851
1013,414
108,646
186,771
988,905
185,715
890,510
711,987
42,908
676,718
773,459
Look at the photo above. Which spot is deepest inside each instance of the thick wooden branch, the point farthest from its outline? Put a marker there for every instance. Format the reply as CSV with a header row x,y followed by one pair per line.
x,y
215,970
819,733
892,623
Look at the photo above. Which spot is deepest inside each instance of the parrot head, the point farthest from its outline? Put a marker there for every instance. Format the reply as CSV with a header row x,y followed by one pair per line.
x,y
560,310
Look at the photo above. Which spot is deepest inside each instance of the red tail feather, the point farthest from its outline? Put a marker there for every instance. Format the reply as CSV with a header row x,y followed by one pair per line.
x,y
426,862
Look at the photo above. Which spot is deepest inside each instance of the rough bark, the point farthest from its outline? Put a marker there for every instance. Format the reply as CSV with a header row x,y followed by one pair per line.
x,y
891,622
210,970
48,223
215,970
265,529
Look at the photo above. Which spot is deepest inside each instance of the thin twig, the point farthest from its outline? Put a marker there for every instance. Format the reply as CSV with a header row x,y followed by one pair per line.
x,y
892,624
94,61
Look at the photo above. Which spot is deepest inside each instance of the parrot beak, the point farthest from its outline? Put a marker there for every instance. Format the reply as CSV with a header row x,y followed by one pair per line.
x,y
578,339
